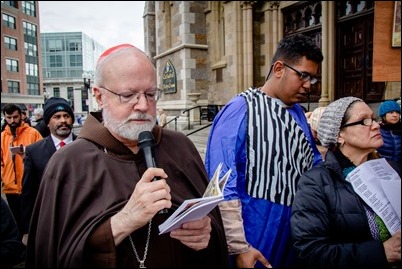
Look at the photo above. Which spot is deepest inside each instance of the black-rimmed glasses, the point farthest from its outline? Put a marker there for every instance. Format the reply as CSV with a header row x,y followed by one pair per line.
x,y
134,97
365,122
303,76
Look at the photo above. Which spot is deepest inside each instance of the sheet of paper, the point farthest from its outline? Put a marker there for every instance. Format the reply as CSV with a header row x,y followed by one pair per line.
x,y
374,181
392,189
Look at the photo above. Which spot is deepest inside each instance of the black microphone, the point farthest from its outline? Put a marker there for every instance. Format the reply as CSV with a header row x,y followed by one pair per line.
x,y
146,143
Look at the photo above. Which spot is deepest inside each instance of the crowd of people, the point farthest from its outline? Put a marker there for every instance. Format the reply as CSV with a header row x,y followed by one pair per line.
x,y
95,200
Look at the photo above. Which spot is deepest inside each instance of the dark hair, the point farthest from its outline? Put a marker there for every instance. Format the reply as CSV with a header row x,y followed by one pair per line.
x,y
10,108
292,48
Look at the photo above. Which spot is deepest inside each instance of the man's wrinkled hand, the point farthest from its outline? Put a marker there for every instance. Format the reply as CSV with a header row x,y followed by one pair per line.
x,y
194,234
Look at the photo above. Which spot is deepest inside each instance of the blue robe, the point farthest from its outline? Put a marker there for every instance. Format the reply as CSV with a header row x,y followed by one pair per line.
x,y
266,221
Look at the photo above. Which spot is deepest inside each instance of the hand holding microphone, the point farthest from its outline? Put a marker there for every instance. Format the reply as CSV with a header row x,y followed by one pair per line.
x,y
146,143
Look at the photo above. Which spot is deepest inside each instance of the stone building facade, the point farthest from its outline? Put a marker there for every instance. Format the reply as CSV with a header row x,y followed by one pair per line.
x,y
208,51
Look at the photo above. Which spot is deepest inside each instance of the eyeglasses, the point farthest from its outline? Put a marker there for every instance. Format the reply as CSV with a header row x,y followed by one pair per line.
x,y
134,97
365,122
303,76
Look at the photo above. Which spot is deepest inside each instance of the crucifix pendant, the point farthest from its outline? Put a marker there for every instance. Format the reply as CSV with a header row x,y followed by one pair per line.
x,y
142,265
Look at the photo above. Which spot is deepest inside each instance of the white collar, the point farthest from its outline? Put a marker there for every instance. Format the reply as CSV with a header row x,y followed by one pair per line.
x,y
67,140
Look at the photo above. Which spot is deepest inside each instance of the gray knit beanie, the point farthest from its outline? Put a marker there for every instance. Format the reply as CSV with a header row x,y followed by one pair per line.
x,y
331,120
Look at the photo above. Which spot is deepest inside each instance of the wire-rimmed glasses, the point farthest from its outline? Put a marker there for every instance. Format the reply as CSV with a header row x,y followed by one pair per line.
x,y
303,75
134,97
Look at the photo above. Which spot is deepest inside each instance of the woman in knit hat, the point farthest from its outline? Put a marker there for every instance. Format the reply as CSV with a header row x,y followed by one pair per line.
x,y
390,113
313,118
332,226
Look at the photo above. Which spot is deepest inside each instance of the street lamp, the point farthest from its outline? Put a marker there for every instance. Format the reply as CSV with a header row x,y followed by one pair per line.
x,y
87,85
86,94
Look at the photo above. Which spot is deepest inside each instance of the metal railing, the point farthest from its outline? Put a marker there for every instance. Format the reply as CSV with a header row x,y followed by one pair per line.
x,y
188,111
175,122
188,114
199,129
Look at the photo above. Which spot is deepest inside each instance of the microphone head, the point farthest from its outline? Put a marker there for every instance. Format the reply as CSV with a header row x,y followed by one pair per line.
x,y
146,139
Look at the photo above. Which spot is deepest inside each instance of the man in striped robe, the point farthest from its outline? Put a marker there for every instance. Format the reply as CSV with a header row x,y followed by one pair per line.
x,y
262,135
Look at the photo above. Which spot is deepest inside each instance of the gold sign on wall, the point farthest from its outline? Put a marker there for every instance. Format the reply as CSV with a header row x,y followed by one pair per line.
x,y
169,80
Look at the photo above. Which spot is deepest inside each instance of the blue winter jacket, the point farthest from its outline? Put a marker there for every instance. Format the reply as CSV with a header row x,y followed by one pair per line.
x,y
391,135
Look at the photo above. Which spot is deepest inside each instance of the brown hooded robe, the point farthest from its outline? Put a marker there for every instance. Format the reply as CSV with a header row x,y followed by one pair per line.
x,y
91,179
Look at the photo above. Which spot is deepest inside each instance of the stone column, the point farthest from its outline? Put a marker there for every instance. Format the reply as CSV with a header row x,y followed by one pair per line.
x,y
195,113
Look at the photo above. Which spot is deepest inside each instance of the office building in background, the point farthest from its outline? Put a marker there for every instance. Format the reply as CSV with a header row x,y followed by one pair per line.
x,y
69,60
36,66
21,67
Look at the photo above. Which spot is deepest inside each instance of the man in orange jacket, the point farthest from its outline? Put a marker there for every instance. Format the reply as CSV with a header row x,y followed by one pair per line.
x,y
16,135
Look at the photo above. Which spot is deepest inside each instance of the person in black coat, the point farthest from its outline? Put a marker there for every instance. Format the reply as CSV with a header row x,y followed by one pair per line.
x,y
12,249
332,226
59,116
25,118
40,123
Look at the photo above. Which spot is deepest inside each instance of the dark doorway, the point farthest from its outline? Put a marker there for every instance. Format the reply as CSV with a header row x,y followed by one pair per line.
x,y
354,53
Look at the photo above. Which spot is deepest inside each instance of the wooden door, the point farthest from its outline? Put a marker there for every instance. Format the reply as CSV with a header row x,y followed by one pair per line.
x,y
354,59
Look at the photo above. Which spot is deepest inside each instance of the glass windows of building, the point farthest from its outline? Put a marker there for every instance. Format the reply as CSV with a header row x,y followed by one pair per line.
x,y
56,91
74,45
305,18
74,73
70,92
33,89
76,60
32,69
70,96
55,61
12,65
30,29
13,4
9,21
10,43
31,49
57,74
55,45
349,8
13,86
28,7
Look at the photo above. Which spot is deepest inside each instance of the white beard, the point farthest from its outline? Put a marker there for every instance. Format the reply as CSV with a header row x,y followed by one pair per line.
x,y
127,128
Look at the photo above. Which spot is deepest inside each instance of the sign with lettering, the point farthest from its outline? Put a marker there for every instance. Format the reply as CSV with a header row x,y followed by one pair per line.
x,y
169,80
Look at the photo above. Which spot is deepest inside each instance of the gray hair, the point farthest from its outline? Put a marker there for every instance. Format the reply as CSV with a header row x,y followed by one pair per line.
x,y
38,111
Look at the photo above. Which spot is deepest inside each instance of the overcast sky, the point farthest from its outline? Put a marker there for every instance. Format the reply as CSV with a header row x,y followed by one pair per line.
x,y
108,22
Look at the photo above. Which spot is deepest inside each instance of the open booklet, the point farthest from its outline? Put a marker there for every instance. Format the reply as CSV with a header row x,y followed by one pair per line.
x,y
197,208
